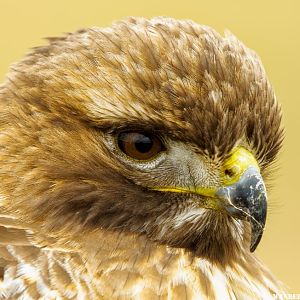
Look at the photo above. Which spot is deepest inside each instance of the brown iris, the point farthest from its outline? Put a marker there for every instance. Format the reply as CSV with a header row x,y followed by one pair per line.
x,y
140,145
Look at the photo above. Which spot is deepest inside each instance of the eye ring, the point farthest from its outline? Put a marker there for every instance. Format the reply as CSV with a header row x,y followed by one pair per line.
x,y
139,145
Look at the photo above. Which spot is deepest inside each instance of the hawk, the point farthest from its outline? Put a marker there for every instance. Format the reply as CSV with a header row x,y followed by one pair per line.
x,y
133,165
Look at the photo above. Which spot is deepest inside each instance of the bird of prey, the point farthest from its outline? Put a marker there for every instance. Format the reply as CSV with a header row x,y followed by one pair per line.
x,y
134,162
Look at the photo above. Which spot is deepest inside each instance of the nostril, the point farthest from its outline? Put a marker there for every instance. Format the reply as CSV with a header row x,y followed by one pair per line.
x,y
230,172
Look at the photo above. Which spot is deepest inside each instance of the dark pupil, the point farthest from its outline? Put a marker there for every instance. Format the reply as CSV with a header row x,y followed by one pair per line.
x,y
143,144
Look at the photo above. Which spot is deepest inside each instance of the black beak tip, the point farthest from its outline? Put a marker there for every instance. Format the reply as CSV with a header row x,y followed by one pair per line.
x,y
248,200
257,230
255,239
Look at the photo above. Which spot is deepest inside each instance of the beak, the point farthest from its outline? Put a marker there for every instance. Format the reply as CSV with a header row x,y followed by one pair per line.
x,y
242,193
247,199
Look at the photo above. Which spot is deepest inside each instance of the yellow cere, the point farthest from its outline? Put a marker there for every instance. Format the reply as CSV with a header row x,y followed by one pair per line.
x,y
237,163
233,168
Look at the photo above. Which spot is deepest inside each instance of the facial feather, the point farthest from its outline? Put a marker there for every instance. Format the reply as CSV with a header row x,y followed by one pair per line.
x,y
174,78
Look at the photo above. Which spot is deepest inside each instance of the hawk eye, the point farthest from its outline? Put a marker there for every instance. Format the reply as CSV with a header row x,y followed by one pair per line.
x,y
139,145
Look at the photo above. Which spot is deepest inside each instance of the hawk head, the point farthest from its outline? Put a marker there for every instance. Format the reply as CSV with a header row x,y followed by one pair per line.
x,y
159,128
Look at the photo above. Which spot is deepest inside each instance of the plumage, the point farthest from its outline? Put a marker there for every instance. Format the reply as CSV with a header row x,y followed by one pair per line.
x,y
82,220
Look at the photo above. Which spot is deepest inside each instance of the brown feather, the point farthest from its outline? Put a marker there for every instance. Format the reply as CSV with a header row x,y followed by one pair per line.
x,y
95,230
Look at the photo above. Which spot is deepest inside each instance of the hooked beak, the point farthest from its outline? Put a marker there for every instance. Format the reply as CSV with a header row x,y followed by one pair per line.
x,y
247,199
242,193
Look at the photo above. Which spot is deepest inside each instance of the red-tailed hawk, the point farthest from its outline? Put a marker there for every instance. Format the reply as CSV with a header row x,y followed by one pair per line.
x,y
132,166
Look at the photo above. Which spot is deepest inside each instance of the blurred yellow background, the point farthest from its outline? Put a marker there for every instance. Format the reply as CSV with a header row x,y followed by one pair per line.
x,y
271,28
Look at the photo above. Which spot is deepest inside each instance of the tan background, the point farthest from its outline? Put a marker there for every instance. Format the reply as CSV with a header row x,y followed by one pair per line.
x,y
270,27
